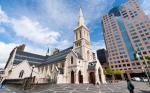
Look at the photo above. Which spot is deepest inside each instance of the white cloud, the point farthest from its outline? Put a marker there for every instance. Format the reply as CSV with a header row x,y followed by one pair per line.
x,y
34,31
98,45
63,44
60,13
64,13
5,50
146,7
34,50
2,65
29,29
97,8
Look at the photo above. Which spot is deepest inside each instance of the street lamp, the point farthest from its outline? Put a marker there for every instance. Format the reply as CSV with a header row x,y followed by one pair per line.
x,y
33,66
27,84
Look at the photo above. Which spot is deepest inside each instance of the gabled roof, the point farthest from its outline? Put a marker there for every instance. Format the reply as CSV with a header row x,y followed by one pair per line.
x,y
37,60
58,57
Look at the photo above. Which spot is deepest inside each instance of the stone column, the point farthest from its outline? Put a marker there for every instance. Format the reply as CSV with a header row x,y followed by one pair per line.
x,y
97,77
86,77
76,78
103,77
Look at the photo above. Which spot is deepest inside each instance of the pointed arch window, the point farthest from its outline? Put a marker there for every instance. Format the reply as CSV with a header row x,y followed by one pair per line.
x,y
71,60
76,36
21,73
80,34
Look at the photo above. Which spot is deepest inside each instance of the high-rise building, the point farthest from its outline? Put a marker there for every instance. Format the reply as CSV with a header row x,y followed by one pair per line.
x,y
127,30
102,56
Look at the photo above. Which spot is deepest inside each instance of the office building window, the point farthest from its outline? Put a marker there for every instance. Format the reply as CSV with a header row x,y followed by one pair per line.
x,y
124,65
128,64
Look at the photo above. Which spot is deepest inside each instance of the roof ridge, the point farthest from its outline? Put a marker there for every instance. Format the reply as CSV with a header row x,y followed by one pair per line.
x,y
31,53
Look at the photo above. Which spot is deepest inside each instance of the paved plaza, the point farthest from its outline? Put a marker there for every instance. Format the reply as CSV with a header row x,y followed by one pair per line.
x,y
120,87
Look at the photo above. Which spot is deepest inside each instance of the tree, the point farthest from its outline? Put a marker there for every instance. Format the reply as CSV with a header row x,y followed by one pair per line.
x,y
148,58
118,72
109,71
113,73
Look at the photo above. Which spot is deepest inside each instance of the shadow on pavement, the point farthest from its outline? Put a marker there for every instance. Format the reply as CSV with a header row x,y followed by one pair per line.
x,y
145,91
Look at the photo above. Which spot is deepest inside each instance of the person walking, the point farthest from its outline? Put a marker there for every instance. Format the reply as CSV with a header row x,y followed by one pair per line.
x,y
130,86
3,83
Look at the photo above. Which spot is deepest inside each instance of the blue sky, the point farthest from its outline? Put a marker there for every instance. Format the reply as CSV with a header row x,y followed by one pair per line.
x,y
50,23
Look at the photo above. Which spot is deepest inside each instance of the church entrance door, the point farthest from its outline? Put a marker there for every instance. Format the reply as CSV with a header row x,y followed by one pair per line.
x,y
80,77
72,76
92,77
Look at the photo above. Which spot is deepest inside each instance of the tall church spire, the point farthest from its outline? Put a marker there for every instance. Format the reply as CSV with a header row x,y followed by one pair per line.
x,y
81,38
81,19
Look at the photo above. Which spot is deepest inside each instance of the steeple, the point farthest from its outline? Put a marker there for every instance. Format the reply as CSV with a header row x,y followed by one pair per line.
x,y
82,38
81,19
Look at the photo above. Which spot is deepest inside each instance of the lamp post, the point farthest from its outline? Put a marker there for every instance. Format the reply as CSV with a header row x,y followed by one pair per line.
x,y
143,68
33,66
30,78
28,81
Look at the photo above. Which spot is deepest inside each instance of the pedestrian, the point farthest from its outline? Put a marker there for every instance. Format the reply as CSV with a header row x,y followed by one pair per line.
x,y
3,83
130,86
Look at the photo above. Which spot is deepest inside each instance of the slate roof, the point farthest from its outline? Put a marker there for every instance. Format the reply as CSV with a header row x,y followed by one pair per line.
x,y
33,59
37,60
58,57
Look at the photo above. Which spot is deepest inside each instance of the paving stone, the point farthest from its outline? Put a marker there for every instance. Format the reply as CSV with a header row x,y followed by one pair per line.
x,y
61,92
46,91
120,87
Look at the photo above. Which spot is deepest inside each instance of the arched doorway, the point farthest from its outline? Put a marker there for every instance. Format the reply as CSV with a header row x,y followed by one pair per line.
x,y
80,77
72,76
92,77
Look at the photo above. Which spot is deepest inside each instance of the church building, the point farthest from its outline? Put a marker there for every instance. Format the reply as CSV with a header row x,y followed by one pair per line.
x,y
76,64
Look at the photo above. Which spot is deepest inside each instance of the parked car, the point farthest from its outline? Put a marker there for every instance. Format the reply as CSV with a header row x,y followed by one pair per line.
x,y
143,79
136,79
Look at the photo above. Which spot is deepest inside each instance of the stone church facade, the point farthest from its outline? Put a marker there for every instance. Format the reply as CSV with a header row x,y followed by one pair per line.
x,y
77,64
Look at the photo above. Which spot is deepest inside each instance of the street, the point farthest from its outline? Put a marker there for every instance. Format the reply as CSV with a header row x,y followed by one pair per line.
x,y
120,87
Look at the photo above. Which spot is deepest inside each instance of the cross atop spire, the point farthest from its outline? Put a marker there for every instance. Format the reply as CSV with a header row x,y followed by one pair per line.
x,y
81,19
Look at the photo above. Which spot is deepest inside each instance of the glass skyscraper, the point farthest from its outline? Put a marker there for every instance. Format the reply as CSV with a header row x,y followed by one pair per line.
x,y
127,30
